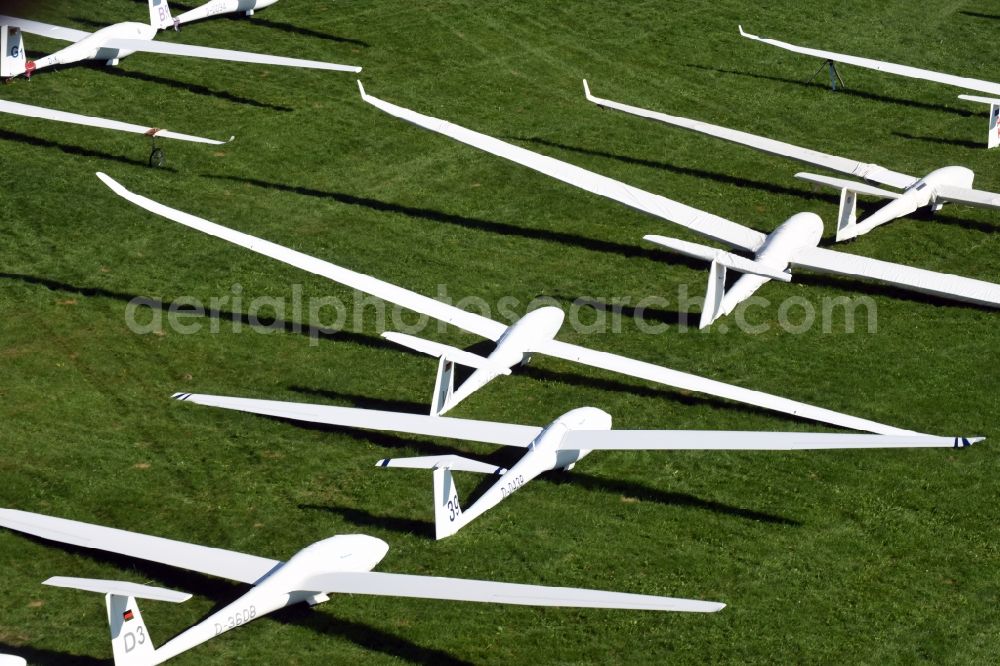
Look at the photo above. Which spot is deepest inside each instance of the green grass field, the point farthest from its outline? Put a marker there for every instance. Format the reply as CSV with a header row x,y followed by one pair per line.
x,y
862,557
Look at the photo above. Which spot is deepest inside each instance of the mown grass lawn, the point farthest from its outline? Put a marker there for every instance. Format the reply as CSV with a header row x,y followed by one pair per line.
x,y
860,557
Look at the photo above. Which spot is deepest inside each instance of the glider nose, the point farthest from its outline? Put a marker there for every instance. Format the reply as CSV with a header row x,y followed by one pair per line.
x,y
29,69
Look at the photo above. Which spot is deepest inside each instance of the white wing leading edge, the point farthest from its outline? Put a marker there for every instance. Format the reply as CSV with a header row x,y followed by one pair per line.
x,y
888,67
462,589
488,432
706,224
689,382
203,559
29,111
44,29
169,48
870,172
718,440
467,321
908,277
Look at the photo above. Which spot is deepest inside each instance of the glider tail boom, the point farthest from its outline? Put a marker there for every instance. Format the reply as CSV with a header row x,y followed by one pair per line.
x,y
12,62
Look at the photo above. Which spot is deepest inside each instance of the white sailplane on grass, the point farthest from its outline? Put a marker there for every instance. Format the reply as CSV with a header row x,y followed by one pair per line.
x,y
557,446
532,334
793,245
338,565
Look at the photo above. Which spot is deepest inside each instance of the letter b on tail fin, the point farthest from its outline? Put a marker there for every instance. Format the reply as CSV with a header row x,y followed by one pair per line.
x,y
447,510
130,640
159,15
12,43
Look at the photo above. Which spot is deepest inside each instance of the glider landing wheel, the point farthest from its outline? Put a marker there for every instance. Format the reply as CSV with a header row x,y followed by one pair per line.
x,y
156,158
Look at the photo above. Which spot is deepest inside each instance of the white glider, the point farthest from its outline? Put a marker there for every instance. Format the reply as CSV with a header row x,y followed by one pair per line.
x,y
337,565
216,7
532,334
794,244
560,445
117,41
945,185
29,111
964,82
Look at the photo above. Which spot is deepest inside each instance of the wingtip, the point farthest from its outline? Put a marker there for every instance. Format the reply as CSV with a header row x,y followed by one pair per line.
x,y
362,89
742,32
586,89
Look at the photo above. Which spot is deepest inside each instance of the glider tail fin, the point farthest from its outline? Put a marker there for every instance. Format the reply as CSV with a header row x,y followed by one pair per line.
x,y
12,44
716,303
159,15
130,639
447,510
993,138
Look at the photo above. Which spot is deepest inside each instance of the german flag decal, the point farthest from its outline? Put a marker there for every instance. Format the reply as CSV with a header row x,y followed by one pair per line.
x,y
127,615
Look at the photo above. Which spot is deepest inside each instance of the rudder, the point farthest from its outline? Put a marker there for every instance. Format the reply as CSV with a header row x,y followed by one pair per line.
x,y
447,509
159,15
12,44
130,639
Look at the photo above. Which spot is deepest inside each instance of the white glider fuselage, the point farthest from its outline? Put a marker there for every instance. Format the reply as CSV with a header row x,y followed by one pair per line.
x,y
542,455
512,348
800,231
93,46
216,7
282,587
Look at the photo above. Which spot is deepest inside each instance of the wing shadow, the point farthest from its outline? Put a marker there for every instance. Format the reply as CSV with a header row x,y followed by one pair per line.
x,y
363,339
644,493
7,135
195,88
914,104
685,171
960,143
489,226
50,657
366,636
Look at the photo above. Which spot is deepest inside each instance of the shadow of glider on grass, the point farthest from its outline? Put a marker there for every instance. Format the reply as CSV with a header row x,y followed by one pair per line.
x,y
558,446
964,82
534,333
793,244
950,184
337,565
117,41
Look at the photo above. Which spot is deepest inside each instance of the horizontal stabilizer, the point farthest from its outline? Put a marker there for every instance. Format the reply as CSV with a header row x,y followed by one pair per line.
x,y
439,350
460,589
739,440
967,196
727,259
457,463
845,184
119,587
